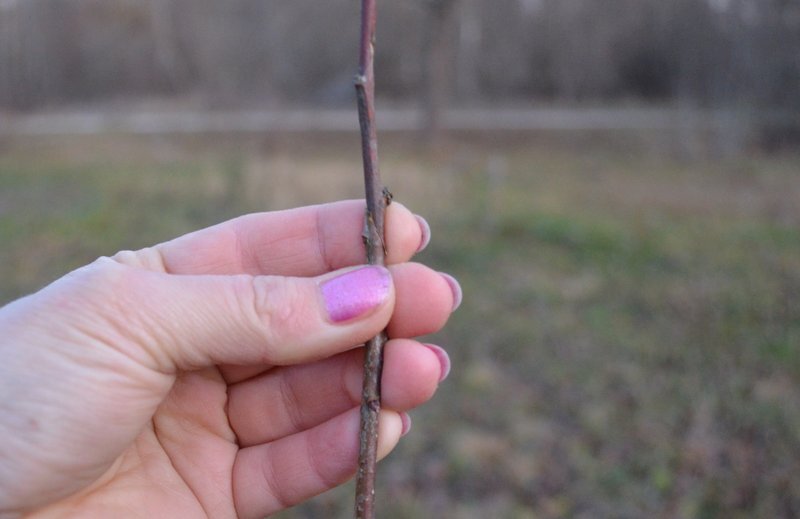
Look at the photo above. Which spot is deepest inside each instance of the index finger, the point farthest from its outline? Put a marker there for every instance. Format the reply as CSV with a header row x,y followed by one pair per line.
x,y
307,241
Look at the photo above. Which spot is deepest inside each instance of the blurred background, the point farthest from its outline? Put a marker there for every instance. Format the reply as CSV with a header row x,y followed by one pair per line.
x,y
616,184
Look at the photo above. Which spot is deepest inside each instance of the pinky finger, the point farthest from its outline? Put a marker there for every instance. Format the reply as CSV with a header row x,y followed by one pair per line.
x,y
276,475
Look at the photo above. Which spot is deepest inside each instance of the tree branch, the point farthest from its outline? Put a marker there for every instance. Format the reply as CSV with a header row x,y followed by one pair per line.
x,y
377,200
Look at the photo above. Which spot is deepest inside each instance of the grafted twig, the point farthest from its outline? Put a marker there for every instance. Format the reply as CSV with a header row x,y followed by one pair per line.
x,y
376,251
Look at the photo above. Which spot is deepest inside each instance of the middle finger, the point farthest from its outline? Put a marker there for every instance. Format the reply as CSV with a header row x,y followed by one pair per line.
x,y
288,400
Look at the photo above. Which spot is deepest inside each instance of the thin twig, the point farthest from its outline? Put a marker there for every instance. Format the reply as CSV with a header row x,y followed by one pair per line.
x,y
376,251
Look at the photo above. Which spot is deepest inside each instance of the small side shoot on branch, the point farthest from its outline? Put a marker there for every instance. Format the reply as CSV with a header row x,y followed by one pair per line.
x,y
377,199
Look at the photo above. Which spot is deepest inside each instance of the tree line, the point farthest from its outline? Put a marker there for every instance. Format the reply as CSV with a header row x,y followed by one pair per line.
x,y
705,53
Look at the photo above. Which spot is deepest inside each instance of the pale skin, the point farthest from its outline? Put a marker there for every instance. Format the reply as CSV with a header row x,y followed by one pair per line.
x,y
203,377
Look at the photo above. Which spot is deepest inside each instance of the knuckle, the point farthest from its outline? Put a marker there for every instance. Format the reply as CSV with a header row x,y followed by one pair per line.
x,y
149,258
279,307
104,300
107,278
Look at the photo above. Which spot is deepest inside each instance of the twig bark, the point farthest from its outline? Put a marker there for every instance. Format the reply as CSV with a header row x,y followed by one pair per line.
x,y
376,251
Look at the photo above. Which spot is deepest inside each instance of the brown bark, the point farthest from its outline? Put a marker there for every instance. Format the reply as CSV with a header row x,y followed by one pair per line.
x,y
374,242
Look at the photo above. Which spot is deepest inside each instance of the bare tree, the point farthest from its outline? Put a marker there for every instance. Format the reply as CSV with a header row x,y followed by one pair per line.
x,y
167,55
28,74
470,36
737,54
438,70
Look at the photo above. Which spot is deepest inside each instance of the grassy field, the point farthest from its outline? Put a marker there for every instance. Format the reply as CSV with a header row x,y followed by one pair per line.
x,y
629,345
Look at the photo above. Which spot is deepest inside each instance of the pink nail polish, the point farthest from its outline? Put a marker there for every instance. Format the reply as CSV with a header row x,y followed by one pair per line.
x,y
425,229
356,292
444,360
406,423
455,287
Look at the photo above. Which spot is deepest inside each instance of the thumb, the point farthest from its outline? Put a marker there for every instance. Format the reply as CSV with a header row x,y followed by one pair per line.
x,y
170,322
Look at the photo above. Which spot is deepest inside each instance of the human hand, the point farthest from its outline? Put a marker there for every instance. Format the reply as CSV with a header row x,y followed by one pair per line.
x,y
216,374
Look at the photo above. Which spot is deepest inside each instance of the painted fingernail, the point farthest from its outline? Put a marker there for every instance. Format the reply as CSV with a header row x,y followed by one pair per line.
x,y
356,292
444,360
425,229
458,295
406,423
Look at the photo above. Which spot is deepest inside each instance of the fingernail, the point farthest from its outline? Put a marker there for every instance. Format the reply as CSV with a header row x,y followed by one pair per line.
x,y
444,360
426,233
406,423
356,292
458,295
